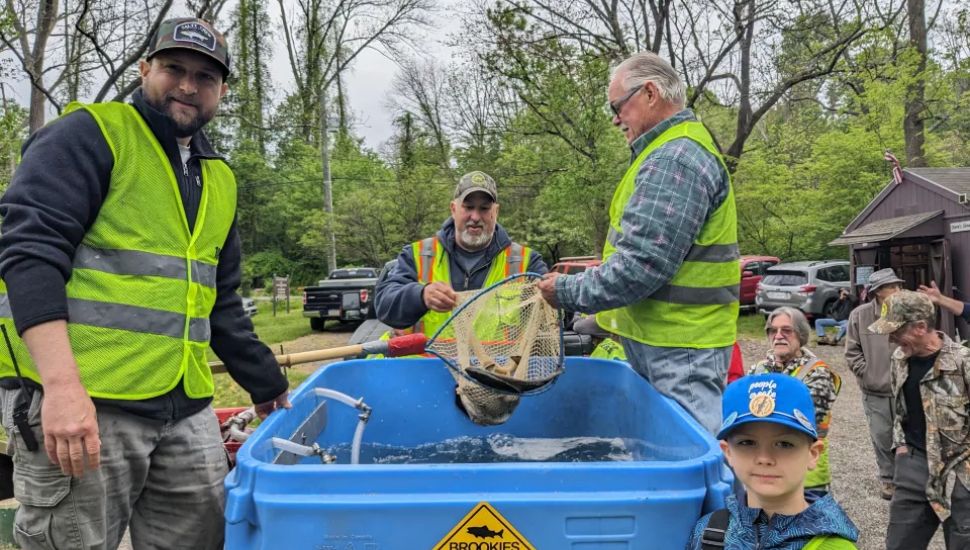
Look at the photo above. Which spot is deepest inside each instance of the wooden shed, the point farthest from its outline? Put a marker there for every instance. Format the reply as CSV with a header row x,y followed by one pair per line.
x,y
919,225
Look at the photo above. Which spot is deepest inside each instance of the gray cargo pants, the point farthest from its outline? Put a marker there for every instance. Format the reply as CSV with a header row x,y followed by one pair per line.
x,y
912,522
164,480
694,378
879,415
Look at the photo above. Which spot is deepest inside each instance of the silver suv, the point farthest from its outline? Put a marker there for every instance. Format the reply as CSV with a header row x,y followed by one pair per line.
x,y
812,287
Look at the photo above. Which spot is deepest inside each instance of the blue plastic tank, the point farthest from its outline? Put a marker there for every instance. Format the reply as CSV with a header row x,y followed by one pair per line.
x,y
642,504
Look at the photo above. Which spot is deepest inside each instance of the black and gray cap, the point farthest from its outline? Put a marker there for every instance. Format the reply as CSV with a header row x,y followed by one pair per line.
x,y
191,33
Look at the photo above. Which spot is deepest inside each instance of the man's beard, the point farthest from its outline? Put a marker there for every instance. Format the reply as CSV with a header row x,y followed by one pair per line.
x,y
475,242
183,129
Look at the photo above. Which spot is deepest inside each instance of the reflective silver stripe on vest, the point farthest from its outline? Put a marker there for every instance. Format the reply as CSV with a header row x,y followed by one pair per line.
x,y
427,257
714,253
125,317
133,262
613,236
698,296
514,261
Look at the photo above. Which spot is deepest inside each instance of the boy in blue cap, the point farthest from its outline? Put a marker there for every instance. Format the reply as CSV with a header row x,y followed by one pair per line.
x,y
770,440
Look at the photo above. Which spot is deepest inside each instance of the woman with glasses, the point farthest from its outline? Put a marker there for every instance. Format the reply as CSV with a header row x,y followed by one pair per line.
x,y
787,331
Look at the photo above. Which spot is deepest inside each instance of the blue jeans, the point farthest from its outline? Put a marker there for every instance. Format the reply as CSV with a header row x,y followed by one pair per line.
x,y
820,325
694,378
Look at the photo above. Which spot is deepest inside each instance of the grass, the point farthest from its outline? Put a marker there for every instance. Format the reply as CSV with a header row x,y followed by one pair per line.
x,y
271,330
751,326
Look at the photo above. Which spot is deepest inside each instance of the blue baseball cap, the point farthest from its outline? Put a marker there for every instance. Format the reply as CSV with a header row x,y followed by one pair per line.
x,y
774,397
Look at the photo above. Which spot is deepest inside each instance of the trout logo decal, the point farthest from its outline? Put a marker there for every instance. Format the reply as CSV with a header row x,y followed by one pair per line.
x,y
483,528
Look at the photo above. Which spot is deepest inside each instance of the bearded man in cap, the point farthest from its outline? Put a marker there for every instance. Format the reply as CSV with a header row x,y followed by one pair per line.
x,y
120,262
868,357
931,433
470,251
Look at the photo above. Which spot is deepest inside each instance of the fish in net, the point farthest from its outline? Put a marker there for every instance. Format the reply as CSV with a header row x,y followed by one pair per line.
x,y
501,342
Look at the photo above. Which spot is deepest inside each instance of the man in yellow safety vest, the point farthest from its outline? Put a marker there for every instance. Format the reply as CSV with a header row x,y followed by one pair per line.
x,y
120,263
668,284
469,252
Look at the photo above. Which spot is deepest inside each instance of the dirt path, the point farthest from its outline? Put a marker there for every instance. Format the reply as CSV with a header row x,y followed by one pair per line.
x,y
853,462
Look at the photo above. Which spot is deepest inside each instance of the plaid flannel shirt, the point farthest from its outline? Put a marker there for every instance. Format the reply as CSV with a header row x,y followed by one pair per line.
x,y
677,188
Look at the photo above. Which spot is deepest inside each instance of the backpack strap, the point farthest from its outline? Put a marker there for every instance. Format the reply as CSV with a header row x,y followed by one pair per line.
x,y
715,530
807,369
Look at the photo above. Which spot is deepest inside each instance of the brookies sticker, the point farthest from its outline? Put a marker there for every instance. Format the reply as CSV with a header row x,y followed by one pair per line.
x,y
196,33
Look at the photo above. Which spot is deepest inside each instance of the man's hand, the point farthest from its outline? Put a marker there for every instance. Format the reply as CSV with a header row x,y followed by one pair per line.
x,y
70,424
439,297
281,401
547,286
901,450
932,292
68,416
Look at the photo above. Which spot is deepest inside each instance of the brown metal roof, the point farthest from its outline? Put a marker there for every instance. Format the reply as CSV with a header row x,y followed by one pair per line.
x,y
956,180
883,230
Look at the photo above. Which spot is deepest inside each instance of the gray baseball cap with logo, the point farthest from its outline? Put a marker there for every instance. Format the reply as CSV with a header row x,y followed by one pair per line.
x,y
191,33
474,182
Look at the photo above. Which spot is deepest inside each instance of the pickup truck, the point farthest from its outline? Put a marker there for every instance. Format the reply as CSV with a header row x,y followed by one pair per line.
x,y
346,295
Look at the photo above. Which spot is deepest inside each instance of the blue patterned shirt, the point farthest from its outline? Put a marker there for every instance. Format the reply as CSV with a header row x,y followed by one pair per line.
x,y
676,190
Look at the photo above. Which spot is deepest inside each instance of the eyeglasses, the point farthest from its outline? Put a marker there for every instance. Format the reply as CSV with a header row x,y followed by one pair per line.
x,y
785,331
617,106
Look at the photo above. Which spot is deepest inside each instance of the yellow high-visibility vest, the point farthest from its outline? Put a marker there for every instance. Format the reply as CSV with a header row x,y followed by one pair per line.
x,y
698,307
142,286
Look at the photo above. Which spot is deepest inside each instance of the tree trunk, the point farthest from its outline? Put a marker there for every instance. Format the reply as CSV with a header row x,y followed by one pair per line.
x,y
913,121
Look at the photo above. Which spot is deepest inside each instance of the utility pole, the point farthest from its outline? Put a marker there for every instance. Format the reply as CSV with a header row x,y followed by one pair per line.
x,y
328,234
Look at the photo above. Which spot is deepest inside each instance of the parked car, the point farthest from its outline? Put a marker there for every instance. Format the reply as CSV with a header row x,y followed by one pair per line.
x,y
753,269
346,295
574,264
249,306
812,287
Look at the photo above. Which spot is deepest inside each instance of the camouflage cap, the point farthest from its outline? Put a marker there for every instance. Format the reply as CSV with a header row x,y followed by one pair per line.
x,y
190,33
903,307
476,181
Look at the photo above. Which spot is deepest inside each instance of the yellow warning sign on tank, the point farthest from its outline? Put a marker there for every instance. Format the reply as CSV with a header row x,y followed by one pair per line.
x,y
483,529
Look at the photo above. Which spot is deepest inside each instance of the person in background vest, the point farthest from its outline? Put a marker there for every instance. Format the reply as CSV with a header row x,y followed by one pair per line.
x,y
668,284
120,261
469,252
787,329
606,344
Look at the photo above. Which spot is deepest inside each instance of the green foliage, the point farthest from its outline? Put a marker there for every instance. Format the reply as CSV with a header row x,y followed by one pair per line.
x,y
13,130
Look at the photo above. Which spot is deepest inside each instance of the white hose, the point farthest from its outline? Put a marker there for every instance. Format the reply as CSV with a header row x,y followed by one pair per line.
x,y
361,423
358,436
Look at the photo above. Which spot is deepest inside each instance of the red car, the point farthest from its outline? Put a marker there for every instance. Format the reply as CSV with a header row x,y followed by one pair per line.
x,y
575,264
752,270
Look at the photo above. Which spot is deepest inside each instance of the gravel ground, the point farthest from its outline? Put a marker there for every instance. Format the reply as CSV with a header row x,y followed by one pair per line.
x,y
855,477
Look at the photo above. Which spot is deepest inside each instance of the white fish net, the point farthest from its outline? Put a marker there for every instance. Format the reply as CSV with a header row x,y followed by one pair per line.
x,y
501,342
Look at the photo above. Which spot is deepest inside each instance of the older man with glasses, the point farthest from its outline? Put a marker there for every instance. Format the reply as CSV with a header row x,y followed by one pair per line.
x,y
668,284
787,330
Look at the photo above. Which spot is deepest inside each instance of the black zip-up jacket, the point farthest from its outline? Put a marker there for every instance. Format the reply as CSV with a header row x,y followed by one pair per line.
x,y
399,298
54,198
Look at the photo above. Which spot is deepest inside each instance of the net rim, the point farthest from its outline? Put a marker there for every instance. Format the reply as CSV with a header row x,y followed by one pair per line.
x,y
529,275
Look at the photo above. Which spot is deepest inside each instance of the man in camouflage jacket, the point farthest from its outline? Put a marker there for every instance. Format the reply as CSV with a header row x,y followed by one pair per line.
x,y
931,435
